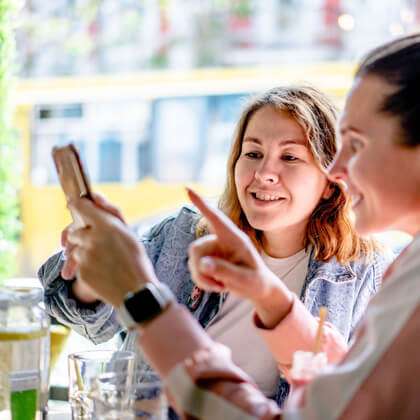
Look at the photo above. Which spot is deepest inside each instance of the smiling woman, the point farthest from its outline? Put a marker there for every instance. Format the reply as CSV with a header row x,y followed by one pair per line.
x,y
300,122
386,141
277,180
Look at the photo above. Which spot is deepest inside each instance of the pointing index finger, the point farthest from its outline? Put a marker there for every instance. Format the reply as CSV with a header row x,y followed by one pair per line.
x,y
223,227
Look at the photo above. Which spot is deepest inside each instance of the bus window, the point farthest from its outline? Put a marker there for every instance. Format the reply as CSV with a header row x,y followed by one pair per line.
x,y
110,158
53,125
144,161
224,111
179,138
46,112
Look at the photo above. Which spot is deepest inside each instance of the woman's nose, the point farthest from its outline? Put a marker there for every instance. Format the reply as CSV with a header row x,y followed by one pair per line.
x,y
267,175
338,170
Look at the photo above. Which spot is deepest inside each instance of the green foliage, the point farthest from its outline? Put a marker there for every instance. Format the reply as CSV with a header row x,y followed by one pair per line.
x,y
9,210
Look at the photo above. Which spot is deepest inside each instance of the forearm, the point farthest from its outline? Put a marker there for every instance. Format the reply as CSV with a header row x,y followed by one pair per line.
x,y
273,308
174,324
200,375
297,331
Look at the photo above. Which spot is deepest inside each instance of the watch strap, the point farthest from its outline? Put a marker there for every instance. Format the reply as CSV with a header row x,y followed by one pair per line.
x,y
132,312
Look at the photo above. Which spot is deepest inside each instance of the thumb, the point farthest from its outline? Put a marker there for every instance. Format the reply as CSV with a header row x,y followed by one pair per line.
x,y
104,204
87,210
235,278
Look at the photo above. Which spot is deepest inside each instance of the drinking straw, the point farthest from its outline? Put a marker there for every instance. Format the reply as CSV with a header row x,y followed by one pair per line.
x,y
79,379
323,311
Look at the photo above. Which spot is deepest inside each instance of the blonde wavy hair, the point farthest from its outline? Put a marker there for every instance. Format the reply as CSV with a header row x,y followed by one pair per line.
x,y
330,228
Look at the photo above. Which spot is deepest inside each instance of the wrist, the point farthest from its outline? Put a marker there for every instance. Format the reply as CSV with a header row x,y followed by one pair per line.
x,y
274,306
134,280
145,304
82,293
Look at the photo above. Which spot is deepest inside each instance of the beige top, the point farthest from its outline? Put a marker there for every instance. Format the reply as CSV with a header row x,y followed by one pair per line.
x,y
233,326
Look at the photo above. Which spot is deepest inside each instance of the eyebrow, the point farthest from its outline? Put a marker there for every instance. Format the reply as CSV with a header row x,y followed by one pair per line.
x,y
299,142
350,128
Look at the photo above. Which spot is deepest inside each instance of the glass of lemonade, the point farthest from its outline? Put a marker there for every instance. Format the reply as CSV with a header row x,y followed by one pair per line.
x,y
84,370
24,354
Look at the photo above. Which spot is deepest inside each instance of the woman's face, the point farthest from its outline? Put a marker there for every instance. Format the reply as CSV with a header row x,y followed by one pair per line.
x,y
383,177
277,180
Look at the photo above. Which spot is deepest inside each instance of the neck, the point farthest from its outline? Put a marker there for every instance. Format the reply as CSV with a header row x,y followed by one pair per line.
x,y
410,224
285,242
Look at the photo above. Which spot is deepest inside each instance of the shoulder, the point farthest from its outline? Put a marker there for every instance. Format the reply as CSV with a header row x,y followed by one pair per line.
x,y
180,224
373,267
407,265
366,268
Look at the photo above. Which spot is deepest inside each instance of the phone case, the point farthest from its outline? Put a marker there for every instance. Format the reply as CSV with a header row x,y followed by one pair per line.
x,y
71,175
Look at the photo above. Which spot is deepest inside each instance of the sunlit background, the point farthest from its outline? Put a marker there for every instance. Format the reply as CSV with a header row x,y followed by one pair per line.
x,y
150,92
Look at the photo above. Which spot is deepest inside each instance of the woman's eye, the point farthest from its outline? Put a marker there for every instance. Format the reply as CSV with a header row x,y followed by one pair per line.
x,y
289,158
253,155
355,145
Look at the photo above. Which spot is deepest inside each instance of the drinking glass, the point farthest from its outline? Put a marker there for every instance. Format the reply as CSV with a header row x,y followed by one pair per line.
x,y
149,398
112,398
84,370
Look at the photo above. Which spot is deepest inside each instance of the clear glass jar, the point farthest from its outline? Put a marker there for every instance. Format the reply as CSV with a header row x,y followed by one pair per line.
x,y
24,354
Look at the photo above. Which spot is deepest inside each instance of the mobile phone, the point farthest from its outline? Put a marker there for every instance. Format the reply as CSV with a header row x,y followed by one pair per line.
x,y
73,179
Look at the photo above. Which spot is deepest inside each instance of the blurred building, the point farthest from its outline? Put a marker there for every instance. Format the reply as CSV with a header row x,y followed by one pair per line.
x,y
144,118
73,37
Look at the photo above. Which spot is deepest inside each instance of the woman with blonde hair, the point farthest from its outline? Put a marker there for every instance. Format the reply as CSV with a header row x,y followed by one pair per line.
x,y
278,194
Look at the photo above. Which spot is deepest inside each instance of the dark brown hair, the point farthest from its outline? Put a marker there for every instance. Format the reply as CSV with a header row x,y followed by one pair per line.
x,y
398,63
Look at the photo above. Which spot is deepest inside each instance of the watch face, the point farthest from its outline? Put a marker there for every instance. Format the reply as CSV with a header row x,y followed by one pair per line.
x,y
143,306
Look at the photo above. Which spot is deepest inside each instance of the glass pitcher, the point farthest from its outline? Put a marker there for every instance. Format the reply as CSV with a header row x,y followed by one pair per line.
x,y
24,354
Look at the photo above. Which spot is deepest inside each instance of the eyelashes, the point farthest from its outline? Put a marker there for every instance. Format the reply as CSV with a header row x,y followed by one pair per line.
x,y
258,155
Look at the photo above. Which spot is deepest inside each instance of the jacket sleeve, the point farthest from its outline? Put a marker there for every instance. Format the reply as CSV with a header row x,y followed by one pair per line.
x,y
199,374
97,322
297,331
300,327
369,285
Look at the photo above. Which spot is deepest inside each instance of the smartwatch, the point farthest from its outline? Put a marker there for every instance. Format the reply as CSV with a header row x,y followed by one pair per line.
x,y
145,304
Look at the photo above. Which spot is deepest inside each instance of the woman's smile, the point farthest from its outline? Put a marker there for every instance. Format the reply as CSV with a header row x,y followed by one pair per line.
x,y
266,200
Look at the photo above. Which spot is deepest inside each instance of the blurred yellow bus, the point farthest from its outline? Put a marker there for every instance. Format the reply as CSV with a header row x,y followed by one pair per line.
x,y
142,137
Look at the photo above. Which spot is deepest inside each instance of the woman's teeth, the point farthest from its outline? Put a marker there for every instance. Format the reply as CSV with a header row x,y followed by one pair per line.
x,y
266,197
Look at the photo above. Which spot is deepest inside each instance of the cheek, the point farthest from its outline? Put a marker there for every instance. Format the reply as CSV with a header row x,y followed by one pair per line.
x,y
307,181
363,170
243,174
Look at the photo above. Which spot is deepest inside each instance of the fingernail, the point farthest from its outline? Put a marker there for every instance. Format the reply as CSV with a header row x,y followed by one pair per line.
x,y
207,264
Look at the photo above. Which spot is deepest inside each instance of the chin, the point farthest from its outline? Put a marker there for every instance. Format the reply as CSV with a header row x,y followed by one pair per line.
x,y
258,223
264,224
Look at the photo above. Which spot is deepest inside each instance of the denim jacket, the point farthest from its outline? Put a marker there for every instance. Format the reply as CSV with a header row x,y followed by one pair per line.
x,y
344,289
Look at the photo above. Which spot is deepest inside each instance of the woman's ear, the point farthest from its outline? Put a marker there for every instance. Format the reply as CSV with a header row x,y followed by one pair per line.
x,y
328,190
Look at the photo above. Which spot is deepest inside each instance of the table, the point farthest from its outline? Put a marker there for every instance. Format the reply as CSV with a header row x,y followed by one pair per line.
x,y
58,410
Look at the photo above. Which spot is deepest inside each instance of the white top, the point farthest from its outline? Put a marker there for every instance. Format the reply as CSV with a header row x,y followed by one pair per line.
x,y
292,270
233,325
328,395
